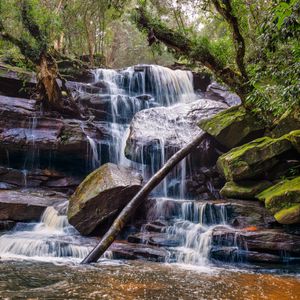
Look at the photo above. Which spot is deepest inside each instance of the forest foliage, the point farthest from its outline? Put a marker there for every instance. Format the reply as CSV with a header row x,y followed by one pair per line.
x,y
254,43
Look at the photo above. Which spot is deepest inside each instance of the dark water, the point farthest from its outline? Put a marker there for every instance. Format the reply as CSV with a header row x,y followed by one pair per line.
x,y
141,280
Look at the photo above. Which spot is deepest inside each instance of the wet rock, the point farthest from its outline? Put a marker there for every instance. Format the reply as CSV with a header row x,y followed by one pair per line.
x,y
271,241
220,93
175,124
126,250
244,189
288,122
7,225
283,200
24,205
15,82
13,178
233,254
154,238
233,127
252,159
101,196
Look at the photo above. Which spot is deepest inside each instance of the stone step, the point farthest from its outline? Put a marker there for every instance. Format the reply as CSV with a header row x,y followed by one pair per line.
x,y
126,250
154,238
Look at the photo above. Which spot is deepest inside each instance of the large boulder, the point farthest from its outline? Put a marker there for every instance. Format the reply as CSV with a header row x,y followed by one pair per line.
x,y
283,200
233,127
101,196
252,159
288,122
244,189
169,128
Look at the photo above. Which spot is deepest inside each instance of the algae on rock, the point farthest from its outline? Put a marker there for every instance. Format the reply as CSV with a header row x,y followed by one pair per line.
x,y
245,189
283,200
233,126
252,159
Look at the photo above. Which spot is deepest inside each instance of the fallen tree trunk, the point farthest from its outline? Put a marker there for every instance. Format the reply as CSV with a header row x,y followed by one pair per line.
x,y
130,208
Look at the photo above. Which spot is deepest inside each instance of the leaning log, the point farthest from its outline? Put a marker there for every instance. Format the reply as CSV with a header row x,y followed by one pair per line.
x,y
136,201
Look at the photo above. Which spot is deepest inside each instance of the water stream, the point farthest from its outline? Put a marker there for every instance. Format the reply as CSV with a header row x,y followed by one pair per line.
x,y
125,93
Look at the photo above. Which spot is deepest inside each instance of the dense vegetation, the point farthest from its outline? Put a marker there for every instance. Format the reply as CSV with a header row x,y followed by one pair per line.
x,y
250,45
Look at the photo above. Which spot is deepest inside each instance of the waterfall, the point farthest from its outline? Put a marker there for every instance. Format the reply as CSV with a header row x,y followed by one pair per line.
x,y
129,91
51,238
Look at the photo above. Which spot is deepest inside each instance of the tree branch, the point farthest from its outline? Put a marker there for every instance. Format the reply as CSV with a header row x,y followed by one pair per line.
x,y
225,10
197,51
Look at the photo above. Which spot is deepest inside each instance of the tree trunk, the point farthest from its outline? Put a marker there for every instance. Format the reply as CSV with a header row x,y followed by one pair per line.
x,y
130,208
51,94
47,86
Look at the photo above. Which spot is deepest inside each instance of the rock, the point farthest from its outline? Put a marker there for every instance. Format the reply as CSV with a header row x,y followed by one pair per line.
x,y
233,127
283,200
124,250
290,215
27,136
252,159
294,137
244,189
288,122
16,82
232,254
243,214
175,124
220,93
7,225
272,241
13,178
101,196
24,205
154,239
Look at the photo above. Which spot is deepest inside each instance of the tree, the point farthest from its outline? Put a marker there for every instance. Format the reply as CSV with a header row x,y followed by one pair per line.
x,y
34,42
239,41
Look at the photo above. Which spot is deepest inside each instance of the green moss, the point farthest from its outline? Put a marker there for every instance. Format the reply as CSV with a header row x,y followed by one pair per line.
x,y
289,215
282,195
232,126
294,138
252,158
222,120
244,190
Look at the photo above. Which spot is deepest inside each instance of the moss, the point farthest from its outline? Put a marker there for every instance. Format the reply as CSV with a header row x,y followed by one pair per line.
x,y
289,215
288,122
282,195
232,126
294,138
244,190
252,158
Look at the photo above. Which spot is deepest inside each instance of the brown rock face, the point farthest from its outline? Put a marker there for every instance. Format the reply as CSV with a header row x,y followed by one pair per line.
x,y
101,196
25,206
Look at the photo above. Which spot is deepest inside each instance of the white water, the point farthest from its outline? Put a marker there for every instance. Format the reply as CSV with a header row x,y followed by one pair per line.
x,y
129,91
52,237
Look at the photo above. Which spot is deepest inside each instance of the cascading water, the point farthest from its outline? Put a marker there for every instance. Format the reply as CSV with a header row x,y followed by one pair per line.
x,y
129,91
191,223
52,237
123,94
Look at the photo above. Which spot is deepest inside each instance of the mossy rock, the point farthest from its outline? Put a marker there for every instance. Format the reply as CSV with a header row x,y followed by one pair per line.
x,y
283,200
289,215
252,159
245,189
294,137
101,196
233,126
282,195
288,122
